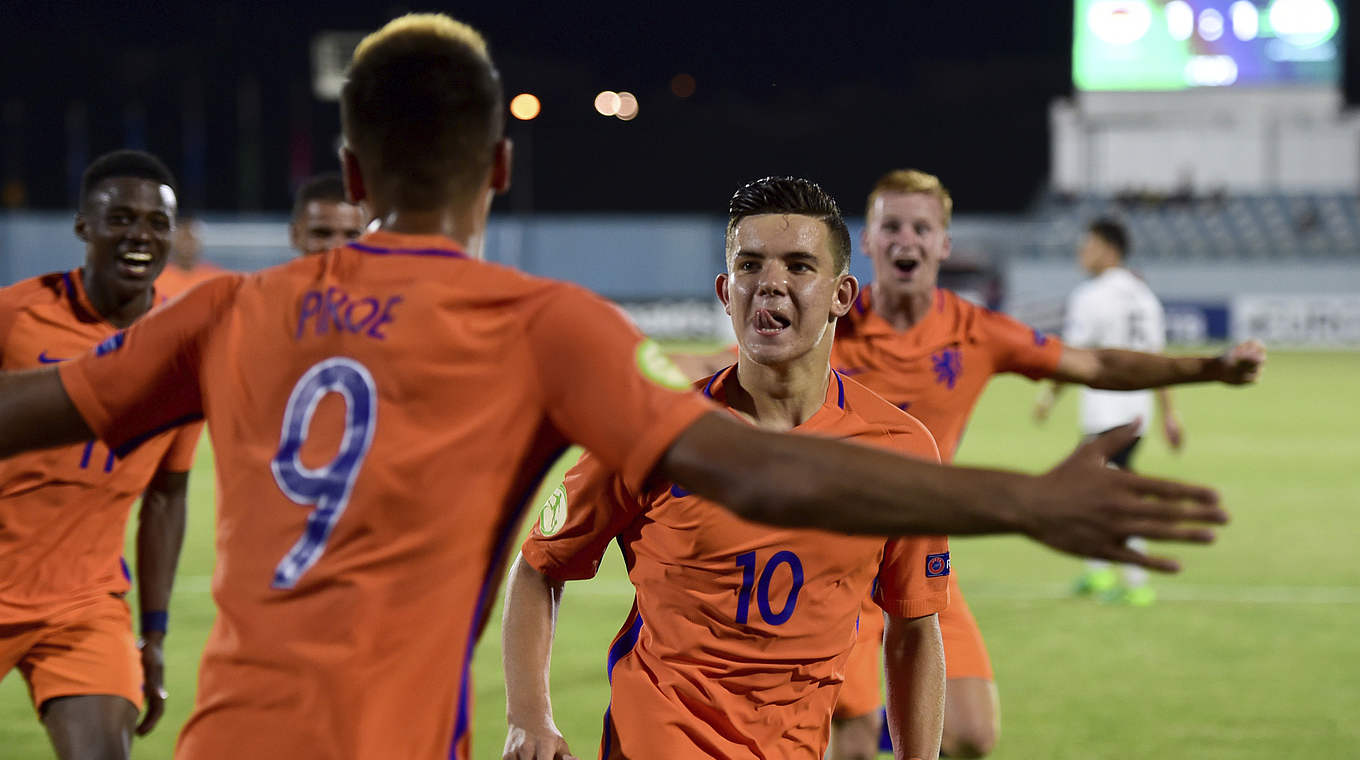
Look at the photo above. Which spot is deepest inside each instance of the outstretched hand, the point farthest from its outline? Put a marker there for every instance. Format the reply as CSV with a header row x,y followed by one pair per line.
x,y
1242,363
543,743
1085,508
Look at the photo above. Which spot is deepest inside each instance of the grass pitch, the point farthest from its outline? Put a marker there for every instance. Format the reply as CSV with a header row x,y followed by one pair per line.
x,y
1249,654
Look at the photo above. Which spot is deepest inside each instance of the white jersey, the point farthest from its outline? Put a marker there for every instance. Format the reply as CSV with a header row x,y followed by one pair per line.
x,y
1114,309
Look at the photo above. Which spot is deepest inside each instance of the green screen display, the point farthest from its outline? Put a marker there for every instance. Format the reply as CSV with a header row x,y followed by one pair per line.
x,y
1183,44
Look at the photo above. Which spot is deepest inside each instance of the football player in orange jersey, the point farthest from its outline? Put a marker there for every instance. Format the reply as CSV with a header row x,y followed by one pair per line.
x,y
931,353
186,266
63,621
323,218
721,670
402,370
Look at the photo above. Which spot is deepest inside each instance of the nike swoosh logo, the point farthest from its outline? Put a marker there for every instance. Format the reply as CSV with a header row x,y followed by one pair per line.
x,y
43,358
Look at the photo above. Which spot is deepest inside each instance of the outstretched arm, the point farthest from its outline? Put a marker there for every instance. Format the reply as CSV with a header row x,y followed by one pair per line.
x,y
160,534
531,603
37,413
1171,424
913,661
1080,506
1119,370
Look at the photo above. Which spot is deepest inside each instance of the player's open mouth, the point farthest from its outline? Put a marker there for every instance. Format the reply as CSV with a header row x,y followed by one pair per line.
x,y
767,322
135,263
905,266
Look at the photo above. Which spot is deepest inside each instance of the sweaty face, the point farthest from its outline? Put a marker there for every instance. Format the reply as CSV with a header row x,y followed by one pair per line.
x,y
127,224
906,239
782,288
324,225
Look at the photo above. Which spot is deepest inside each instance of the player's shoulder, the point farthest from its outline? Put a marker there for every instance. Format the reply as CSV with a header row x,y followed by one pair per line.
x,y
47,288
869,415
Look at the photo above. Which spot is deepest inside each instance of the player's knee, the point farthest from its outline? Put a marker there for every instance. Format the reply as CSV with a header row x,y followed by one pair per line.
x,y
973,739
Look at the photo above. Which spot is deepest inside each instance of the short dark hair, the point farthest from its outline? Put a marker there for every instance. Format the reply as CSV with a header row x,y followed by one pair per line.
x,y
123,163
326,187
423,104
793,195
1113,232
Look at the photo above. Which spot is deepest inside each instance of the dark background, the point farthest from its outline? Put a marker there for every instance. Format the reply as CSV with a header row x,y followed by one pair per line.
x,y
839,94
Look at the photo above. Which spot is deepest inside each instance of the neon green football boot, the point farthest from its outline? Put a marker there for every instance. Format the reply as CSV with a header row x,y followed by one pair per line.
x,y
1138,596
1096,582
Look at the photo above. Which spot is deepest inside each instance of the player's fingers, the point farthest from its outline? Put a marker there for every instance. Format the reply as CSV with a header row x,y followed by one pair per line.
x,y
1168,492
155,707
1160,531
1152,562
1112,442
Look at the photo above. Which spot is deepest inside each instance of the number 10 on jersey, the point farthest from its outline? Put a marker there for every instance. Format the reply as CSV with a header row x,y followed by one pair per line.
x,y
761,589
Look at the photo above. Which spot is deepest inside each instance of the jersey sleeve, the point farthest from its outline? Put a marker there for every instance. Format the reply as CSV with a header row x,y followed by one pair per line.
x,y
606,387
180,456
1017,347
578,521
144,380
913,576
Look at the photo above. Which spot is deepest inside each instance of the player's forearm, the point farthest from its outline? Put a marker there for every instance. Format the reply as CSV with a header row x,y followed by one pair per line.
x,y
1120,370
530,619
36,413
914,665
1164,405
160,535
805,481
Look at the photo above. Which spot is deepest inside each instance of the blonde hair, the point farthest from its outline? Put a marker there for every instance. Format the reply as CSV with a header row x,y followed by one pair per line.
x,y
423,25
912,181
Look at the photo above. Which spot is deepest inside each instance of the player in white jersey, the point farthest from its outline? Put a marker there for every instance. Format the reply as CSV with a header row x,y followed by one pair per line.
x,y
1114,309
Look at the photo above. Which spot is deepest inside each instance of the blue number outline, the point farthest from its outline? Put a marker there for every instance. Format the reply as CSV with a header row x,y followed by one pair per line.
x,y
308,486
747,563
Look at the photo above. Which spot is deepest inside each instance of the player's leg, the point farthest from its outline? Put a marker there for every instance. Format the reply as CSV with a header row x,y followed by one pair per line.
x,y
90,726
857,720
85,677
972,708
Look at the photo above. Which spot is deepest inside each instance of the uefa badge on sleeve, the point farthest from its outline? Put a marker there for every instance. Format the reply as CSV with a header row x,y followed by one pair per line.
x,y
554,514
937,565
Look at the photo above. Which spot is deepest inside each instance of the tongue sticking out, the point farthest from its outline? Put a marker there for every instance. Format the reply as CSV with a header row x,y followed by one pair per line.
x,y
767,322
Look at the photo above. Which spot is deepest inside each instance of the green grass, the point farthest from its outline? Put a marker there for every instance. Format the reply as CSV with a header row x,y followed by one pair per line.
x,y
1251,653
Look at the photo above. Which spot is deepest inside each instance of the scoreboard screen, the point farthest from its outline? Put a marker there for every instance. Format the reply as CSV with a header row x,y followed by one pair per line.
x,y
1165,45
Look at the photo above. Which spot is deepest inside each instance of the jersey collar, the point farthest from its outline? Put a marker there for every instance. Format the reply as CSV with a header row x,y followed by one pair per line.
x,y
73,282
833,406
385,243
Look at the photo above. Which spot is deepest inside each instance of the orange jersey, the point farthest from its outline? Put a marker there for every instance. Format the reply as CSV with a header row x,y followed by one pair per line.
x,y
175,280
739,633
939,368
63,510
379,414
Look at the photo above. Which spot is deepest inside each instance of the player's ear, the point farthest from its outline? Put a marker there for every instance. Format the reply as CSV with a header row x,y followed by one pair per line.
x,y
82,228
847,290
720,286
948,247
501,164
355,190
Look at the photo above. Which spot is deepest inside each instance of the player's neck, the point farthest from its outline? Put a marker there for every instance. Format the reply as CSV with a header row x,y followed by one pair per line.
x,y
902,310
464,225
120,310
784,396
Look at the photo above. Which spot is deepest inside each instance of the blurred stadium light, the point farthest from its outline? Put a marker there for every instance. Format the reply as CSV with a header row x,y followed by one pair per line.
x,y
331,54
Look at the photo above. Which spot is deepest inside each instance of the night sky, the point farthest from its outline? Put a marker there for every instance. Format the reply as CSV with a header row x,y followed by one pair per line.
x,y
838,93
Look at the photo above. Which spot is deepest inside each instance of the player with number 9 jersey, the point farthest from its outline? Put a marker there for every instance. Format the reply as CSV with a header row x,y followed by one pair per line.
x,y
739,634
379,414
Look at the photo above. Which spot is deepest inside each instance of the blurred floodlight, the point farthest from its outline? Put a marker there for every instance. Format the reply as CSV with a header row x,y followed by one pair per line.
x,y
1210,70
1180,20
1210,24
607,103
1246,20
628,106
683,85
524,106
1304,23
1119,22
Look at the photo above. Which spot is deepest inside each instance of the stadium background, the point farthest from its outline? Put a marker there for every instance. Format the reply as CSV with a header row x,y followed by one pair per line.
x,y
1243,199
